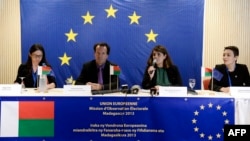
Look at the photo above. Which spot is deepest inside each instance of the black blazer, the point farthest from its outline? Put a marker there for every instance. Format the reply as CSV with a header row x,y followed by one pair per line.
x,y
239,77
89,73
173,76
24,71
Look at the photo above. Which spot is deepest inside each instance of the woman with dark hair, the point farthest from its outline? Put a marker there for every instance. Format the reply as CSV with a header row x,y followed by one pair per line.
x,y
28,70
160,70
230,73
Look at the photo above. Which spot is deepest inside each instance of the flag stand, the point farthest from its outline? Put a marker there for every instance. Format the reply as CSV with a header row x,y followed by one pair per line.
x,y
117,82
109,82
114,70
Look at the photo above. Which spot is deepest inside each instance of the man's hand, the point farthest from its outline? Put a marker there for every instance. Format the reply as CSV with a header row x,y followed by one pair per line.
x,y
95,86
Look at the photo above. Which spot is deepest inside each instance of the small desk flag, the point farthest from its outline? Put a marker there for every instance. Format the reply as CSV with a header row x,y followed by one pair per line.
x,y
217,74
206,72
114,70
43,70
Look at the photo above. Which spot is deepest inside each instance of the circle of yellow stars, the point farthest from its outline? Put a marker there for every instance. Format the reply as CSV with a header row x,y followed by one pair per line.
x,y
199,130
111,13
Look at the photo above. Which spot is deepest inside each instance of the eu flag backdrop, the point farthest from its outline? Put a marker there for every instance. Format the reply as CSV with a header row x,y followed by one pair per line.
x,y
69,29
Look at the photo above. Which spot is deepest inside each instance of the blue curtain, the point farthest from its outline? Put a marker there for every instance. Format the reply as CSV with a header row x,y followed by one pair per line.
x,y
69,29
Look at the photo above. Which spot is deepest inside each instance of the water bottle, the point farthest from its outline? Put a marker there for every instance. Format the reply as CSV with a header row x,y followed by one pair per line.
x,y
42,83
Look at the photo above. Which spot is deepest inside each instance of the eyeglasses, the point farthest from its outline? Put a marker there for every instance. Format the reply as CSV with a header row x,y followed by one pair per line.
x,y
37,56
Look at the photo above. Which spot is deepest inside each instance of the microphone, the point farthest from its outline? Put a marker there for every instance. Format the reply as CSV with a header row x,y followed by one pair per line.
x,y
135,89
153,64
154,61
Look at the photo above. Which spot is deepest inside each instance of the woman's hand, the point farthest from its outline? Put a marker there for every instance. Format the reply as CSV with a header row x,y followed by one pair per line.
x,y
225,89
151,71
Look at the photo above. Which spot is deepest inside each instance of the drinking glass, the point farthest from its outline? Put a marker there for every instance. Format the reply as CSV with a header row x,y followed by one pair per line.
x,y
191,82
68,82
22,82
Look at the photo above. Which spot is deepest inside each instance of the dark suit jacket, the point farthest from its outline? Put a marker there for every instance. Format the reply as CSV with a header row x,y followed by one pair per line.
x,y
23,71
89,73
173,76
239,77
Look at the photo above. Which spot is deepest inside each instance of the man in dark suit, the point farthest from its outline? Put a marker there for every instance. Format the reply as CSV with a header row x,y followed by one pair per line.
x,y
96,73
230,73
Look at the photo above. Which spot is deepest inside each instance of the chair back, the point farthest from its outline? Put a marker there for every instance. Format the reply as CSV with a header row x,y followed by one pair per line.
x,y
206,82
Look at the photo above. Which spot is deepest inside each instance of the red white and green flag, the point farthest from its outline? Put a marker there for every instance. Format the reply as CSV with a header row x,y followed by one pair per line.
x,y
44,70
206,72
115,70
27,119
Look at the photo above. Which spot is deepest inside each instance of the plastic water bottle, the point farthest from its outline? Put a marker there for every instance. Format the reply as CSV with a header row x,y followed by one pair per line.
x,y
42,83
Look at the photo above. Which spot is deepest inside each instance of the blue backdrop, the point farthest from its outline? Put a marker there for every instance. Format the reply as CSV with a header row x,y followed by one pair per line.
x,y
69,29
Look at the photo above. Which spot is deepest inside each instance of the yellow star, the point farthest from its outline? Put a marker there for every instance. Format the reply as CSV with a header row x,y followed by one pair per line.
x,y
65,59
111,11
151,36
71,35
134,18
88,18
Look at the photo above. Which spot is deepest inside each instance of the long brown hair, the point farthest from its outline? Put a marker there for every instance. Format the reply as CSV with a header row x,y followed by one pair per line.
x,y
167,61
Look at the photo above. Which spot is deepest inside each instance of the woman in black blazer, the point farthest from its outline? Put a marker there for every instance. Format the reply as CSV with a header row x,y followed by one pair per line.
x,y
230,73
28,70
160,70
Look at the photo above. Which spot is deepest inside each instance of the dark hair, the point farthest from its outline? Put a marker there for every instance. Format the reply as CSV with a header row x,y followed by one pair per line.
x,y
34,48
234,49
102,44
167,61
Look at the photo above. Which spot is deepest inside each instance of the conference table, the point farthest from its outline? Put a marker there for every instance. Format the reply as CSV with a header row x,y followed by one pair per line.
x,y
54,115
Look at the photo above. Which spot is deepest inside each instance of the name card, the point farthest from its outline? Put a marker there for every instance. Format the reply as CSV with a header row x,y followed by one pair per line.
x,y
10,89
77,89
172,91
240,91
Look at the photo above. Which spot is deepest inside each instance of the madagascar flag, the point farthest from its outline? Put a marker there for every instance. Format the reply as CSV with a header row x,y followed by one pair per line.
x,y
114,70
44,70
27,119
206,72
